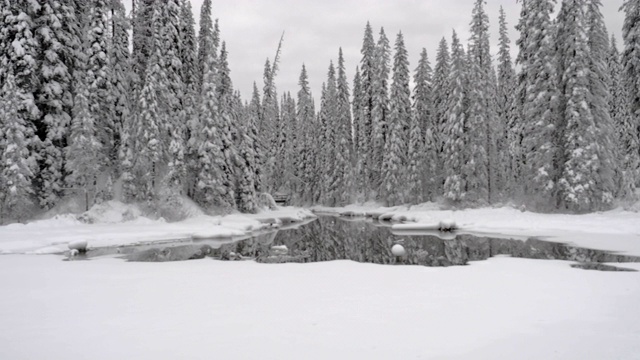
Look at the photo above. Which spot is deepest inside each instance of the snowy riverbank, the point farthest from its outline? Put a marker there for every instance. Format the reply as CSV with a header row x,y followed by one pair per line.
x,y
117,224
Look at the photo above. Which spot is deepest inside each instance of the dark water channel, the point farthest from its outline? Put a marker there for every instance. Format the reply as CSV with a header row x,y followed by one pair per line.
x,y
367,241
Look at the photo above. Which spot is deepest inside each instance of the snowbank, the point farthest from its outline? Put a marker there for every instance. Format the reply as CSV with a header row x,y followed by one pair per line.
x,y
116,224
502,308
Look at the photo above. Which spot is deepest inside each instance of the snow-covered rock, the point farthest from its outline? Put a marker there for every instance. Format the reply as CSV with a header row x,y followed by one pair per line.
x,y
398,250
78,245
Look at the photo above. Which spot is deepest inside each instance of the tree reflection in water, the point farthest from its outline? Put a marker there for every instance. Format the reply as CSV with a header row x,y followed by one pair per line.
x,y
332,238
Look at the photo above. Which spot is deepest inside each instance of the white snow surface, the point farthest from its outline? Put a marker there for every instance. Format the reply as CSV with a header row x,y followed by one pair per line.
x,y
117,224
616,230
502,308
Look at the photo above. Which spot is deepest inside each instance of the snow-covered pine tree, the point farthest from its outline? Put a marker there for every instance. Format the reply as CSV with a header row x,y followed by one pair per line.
x,y
454,152
578,148
481,167
537,95
398,121
174,127
365,96
17,161
19,71
245,190
142,40
57,36
121,75
509,144
343,168
360,140
380,109
253,117
205,42
628,145
213,188
83,153
631,64
149,119
328,149
305,115
598,47
441,93
422,154
99,77
189,59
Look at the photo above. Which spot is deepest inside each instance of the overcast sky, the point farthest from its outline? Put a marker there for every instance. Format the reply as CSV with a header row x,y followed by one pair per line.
x,y
315,29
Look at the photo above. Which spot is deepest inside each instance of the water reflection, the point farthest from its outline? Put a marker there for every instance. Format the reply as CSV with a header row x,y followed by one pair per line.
x,y
332,238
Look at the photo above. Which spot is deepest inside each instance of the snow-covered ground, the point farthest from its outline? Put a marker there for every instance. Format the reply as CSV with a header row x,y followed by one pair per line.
x,y
117,224
106,308
616,230
502,308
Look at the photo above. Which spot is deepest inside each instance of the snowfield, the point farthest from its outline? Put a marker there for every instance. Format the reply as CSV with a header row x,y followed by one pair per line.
x,y
106,308
502,308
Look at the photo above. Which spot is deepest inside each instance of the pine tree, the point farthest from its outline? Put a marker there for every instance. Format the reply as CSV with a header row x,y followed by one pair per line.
x,y
631,65
628,147
149,119
173,99
579,156
537,92
441,93
598,47
380,109
480,168
343,175
205,42
368,74
16,160
121,90
454,144
509,142
213,187
99,77
305,115
423,152
57,36
246,197
84,150
253,116
328,118
395,152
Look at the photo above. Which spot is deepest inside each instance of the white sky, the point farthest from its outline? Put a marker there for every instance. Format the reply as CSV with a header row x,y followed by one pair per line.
x,y
315,29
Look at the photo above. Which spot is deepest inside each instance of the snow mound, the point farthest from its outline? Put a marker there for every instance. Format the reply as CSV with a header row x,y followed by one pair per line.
x,y
110,212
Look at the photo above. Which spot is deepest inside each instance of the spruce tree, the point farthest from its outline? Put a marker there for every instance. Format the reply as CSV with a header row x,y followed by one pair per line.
x,y
205,42
537,92
631,66
57,36
380,109
423,151
395,151
628,147
509,143
121,84
598,47
578,152
99,73
368,72
441,93
305,115
83,153
17,162
343,174
454,139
